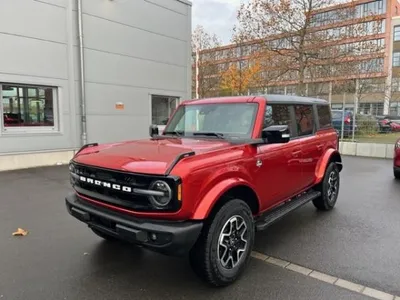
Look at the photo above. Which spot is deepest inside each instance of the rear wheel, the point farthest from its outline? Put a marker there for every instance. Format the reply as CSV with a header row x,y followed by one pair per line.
x,y
223,249
329,188
396,173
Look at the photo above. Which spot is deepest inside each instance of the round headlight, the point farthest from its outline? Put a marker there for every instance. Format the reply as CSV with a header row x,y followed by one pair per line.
x,y
160,186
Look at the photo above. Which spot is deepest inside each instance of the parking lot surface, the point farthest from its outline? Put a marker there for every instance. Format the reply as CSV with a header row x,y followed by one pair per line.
x,y
61,259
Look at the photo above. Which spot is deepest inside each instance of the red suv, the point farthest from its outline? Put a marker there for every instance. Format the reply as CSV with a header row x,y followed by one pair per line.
x,y
222,169
396,160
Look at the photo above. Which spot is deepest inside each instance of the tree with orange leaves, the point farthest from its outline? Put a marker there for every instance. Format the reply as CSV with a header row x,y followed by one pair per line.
x,y
237,80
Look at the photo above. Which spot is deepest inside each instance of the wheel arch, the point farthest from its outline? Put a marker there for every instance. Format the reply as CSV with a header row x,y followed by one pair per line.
x,y
218,196
331,155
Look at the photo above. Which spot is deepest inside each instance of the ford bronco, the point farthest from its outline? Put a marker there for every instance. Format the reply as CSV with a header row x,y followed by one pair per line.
x,y
222,169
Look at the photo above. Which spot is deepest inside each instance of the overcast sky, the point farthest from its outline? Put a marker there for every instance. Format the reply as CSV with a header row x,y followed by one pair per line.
x,y
217,16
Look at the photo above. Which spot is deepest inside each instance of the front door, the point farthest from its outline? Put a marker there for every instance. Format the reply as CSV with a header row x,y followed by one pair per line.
x,y
279,165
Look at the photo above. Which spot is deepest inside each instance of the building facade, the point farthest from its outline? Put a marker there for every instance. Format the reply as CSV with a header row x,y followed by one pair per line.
x,y
361,32
75,72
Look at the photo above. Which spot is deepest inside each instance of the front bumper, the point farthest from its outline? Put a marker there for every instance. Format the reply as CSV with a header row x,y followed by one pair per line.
x,y
171,237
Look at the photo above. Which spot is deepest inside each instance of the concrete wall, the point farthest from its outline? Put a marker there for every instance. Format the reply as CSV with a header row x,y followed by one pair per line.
x,y
35,38
367,149
132,49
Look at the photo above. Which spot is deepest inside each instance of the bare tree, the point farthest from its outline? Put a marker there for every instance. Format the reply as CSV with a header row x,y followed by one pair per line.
x,y
205,53
289,29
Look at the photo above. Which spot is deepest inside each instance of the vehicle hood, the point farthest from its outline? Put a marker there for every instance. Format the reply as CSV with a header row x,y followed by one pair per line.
x,y
149,156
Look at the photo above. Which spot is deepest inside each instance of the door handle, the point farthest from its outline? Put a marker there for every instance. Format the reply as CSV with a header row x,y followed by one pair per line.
x,y
319,147
296,153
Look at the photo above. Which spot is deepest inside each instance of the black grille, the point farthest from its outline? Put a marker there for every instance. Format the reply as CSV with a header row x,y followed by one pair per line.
x,y
112,196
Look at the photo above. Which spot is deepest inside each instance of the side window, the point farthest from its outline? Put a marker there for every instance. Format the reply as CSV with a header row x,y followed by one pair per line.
x,y
304,119
277,114
324,116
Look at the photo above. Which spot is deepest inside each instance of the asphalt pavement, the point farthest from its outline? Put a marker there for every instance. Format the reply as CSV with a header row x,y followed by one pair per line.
x,y
61,259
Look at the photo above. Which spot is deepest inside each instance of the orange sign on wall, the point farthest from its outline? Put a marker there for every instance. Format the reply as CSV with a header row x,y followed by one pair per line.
x,y
119,106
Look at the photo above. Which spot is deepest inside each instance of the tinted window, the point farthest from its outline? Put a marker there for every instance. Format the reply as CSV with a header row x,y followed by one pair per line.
x,y
304,119
277,114
324,116
337,115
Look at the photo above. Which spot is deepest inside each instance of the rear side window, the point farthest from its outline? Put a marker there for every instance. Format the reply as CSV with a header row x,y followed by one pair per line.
x,y
324,116
277,114
304,119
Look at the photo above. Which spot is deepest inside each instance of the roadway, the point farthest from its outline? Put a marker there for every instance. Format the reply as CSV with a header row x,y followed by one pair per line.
x,y
61,259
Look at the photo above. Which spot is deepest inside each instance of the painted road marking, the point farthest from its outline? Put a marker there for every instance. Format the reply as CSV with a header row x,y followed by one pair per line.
x,y
345,284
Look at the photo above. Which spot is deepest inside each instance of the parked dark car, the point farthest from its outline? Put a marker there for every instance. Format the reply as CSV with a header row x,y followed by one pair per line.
x,y
337,121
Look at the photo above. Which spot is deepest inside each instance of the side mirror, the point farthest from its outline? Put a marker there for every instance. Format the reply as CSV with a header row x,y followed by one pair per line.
x,y
276,134
153,130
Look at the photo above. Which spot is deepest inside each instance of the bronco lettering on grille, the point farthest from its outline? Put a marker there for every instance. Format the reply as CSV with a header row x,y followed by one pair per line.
x,y
105,184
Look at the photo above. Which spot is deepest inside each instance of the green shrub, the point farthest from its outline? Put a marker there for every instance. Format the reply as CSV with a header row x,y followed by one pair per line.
x,y
366,125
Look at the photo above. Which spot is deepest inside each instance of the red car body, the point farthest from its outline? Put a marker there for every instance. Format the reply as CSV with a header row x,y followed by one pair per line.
x,y
269,178
396,159
219,166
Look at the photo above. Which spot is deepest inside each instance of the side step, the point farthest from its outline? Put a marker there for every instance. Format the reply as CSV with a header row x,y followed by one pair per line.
x,y
270,217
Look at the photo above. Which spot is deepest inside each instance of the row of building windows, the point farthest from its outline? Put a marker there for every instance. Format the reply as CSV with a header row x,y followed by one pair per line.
x,y
359,11
355,49
355,30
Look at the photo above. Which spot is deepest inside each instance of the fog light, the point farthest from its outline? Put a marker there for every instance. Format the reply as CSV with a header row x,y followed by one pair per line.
x,y
153,236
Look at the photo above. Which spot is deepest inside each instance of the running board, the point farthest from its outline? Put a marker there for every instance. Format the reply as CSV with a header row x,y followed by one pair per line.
x,y
277,213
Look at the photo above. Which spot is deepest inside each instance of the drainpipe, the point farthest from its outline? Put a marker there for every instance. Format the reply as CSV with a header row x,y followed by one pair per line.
x,y
197,74
82,75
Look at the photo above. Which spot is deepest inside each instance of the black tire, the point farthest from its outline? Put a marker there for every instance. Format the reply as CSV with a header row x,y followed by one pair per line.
x,y
205,256
396,174
327,201
104,236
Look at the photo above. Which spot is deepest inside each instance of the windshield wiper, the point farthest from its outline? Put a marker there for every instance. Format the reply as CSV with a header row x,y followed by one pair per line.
x,y
176,132
217,134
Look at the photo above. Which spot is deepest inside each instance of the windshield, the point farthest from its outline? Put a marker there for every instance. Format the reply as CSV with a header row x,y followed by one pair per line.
x,y
215,120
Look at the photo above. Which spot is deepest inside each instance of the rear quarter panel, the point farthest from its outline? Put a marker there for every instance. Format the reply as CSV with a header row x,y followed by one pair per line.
x,y
396,158
329,139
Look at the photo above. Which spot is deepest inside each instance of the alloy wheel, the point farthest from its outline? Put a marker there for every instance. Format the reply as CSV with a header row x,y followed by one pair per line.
x,y
333,183
232,242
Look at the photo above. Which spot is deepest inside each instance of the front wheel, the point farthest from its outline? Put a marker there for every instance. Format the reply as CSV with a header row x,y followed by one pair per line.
x,y
223,249
329,188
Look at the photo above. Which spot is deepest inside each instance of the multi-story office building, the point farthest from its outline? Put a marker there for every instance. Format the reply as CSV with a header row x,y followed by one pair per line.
x,y
362,31
74,72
